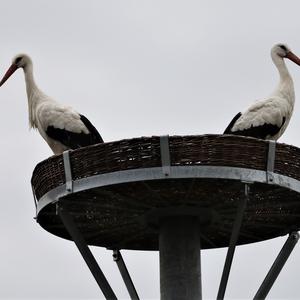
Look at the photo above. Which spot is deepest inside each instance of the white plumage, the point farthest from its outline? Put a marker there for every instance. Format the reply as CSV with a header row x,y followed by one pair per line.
x,y
268,118
61,126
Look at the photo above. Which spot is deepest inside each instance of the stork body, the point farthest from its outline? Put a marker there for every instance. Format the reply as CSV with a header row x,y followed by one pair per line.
x,y
61,126
268,118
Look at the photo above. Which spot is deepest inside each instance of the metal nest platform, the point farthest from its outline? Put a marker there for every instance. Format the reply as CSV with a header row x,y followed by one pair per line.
x,y
120,193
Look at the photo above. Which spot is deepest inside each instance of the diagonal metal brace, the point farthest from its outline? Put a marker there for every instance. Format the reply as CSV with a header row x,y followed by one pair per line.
x,y
125,275
85,252
277,266
232,244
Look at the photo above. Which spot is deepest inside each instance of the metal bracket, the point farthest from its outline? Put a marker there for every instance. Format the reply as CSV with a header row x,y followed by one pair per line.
x,y
34,197
117,257
271,161
165,155
35,202
68,172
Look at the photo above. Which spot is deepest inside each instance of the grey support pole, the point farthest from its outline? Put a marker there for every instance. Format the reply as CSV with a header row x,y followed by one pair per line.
x,y
277,266
86,253
179,253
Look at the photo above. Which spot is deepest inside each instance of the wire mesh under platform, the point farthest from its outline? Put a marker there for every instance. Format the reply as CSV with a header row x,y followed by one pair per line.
x,y
117,192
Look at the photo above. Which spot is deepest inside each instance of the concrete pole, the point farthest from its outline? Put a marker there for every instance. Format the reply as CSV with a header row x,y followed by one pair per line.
x,y
179,253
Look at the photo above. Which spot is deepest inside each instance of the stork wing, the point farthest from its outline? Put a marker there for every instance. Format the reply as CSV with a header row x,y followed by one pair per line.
x,y
68,127
263,119
74,140
260,132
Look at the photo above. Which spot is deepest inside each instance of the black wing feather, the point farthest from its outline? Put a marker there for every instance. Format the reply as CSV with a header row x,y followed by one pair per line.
x,y
75,140
259,132
229,127
95,135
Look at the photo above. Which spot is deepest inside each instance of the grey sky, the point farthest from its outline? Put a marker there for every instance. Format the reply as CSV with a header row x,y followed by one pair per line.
x,y
134,68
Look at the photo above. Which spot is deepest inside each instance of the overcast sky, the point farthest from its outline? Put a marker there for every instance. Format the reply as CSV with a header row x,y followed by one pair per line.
x,y
134,68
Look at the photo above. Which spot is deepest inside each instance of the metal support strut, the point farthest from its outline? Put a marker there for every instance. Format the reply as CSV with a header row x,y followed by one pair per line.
x,y
125,275
232,244
86,253
277,266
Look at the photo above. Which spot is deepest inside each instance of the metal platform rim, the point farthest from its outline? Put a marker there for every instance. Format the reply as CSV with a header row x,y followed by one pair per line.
x,y
176,172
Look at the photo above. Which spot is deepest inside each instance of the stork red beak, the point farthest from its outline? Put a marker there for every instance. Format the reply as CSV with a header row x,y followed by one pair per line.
x,y
293,58
9,72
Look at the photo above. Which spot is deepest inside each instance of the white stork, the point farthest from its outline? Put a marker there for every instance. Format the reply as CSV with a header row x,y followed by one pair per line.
x,y
60,126
268,118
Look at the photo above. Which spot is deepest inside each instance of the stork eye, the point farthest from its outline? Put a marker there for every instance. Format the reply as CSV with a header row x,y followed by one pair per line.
x,y
18,59
283,47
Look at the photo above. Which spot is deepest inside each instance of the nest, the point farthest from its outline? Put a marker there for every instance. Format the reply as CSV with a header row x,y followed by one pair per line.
x,y
117,215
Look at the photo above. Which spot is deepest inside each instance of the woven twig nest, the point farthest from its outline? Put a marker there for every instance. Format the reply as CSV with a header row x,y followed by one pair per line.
x,y
121,189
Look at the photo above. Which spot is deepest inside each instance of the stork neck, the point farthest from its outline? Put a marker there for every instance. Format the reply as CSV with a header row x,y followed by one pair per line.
x,y
31,86
33,94
285,87
282,68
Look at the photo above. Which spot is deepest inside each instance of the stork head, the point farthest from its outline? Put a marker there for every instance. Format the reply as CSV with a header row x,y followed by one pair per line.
x,y
284,51
19,61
